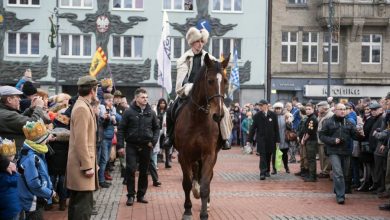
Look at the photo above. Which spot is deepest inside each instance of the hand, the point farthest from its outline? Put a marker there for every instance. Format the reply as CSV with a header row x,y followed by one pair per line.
x,y
54,194
302,142
11,168
113,119
382,148
121,152
150,145
89,173
37,101
106,115
338,140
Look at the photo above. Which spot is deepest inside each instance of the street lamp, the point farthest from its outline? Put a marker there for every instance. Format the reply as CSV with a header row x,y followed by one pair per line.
x,y
330,29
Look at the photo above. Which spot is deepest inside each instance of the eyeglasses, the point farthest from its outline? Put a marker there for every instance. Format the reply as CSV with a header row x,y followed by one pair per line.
x,y
341,109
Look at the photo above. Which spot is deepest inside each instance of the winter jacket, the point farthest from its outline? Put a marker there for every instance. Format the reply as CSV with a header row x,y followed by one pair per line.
x,y
310,127
297,117
320,122
138,127
57,162
384,139
340,128
246,125
34,181
9,196
184,67
267,131
12,122
282,130
108,123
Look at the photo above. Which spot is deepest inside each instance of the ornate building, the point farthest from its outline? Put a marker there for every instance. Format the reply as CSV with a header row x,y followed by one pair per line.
x,y
129,32
360,64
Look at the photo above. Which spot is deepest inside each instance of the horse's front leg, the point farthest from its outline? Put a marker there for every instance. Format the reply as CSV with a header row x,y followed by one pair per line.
x,y
187,185
207,173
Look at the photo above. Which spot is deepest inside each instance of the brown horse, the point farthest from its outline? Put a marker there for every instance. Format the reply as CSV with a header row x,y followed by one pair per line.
x,y
197,133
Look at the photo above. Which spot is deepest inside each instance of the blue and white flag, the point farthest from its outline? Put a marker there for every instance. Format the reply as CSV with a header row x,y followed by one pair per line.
x,y
164,57
234,80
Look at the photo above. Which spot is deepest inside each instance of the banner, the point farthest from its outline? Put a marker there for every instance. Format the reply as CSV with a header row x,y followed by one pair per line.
x,y
99,61
164,57
234,80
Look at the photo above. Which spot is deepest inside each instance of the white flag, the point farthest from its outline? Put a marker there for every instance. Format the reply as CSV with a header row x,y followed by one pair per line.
x,y
164,57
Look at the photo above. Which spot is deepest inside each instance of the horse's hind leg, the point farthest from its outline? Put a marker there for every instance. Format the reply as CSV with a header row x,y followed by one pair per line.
x,y
207,173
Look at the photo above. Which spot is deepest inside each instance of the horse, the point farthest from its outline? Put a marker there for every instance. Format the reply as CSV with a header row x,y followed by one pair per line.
x,y
197,133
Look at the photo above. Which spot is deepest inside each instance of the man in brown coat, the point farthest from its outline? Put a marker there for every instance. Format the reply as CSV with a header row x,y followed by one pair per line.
x,y
81,172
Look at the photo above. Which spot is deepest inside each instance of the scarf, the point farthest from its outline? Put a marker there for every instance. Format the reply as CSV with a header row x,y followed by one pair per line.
x,y
40,148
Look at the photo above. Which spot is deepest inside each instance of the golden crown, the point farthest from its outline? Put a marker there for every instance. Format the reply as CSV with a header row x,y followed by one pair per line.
x,y
35,131
7,147
62,118
106,82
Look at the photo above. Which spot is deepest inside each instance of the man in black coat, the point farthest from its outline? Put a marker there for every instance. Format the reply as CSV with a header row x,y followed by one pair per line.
x,y
140,128
265,126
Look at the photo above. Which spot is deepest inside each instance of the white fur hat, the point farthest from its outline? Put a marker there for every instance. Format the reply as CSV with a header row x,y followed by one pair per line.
x,y
278,105
193,34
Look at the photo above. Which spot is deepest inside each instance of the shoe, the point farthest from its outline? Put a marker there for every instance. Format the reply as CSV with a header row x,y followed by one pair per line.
x,y
168,166
340,201
308,179
94,211
323,175
107,176
124,182
262,177
287,170
226,145
372,188
363,188
62,205
267,174
385,207
257,154
274,172
157,184
130,201
104,185
142,200
384,195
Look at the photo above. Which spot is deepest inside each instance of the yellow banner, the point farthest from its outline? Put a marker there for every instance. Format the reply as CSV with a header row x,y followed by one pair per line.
x,y
99,61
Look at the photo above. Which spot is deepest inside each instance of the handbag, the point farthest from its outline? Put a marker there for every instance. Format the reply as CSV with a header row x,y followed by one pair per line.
x,y
278,159
290,135
114,140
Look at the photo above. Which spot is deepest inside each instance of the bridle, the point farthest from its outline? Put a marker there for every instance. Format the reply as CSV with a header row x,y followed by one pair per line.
x,y
206,107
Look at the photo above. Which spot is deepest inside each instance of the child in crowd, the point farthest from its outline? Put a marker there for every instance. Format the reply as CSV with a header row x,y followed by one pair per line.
x,y
34,185
9,200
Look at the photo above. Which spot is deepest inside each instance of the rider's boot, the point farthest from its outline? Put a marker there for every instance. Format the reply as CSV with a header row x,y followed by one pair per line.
x,y
226,145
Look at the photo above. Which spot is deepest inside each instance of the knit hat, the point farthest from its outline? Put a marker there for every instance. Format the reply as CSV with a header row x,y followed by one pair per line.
x,y
36,131
7,147
29,89
193,35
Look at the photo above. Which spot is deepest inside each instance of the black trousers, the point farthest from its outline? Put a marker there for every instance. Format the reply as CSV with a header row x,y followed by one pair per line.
x,y
265,162
142,155
80,205
153,171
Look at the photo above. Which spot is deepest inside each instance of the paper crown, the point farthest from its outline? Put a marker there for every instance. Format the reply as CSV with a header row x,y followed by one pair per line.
x,y
35,131
106,82
7,147
63,119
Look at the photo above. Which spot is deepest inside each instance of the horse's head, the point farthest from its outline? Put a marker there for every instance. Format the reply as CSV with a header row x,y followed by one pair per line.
x,y
211,86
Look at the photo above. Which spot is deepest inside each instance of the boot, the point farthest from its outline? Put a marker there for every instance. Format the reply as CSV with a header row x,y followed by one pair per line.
x,y
226,145
62,205
364,187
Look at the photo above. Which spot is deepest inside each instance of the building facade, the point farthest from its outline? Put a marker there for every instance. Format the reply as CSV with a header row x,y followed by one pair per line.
x,y
360,61
129,32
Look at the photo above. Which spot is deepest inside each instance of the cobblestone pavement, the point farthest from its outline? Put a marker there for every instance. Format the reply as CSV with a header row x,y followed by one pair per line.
x,y
237,193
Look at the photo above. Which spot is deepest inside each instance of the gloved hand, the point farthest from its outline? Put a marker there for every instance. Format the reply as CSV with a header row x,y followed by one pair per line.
x,y
188,88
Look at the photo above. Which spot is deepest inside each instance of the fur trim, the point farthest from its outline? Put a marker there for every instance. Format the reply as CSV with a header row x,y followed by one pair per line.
x,y
193,35
278,105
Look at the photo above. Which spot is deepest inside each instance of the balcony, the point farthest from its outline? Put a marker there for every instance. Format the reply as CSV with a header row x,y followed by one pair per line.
x,y
355,12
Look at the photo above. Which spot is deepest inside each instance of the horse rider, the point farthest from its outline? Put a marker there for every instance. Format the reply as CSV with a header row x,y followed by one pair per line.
x,y
188,66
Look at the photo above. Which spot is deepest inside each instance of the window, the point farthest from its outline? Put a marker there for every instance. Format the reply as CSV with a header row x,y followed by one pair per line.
x,y
23,44
180,5
289,47
227,5
309,47
127,46
371,48
296,2
76,3
178,47
335,49
225,46
128,4
24,2
75,45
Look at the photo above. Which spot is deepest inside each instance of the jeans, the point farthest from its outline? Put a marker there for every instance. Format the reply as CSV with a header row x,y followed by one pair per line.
x,y
340,166
103,157
153,166
59,186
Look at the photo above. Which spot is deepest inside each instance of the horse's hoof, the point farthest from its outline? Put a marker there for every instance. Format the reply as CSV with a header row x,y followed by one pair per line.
x,y
196,189
208,207
187,217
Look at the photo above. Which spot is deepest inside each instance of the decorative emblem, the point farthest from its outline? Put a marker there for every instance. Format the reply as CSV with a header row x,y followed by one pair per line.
x,y
102,23
270,119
